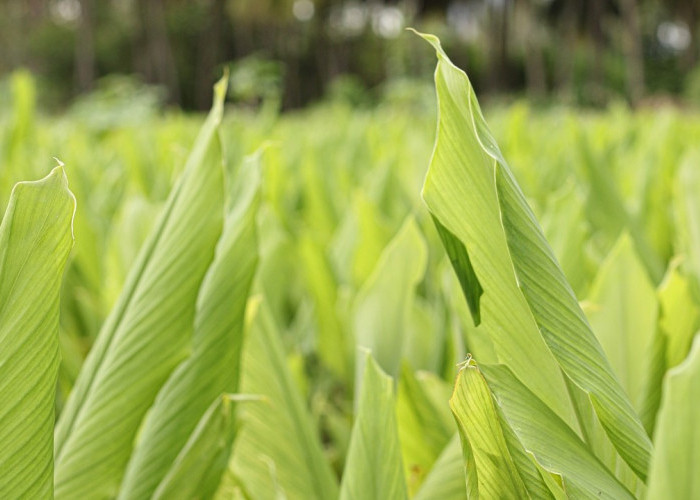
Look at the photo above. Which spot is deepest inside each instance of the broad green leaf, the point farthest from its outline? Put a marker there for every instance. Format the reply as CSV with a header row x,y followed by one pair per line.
x,y
373,469
196,471
382,306
148,332
213,367
529,309
674,467
554,445
35,240
277,448
623,314
461,194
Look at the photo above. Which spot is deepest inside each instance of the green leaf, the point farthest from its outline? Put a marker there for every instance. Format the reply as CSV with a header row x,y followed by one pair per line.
x,y
198,467
528,308
446,478
623,314
373,469
480,429
687,215
148,331
276,434
554,445
213,367
35,240
381,308
608,210
679,314
332,343
423,430
459,257
674,467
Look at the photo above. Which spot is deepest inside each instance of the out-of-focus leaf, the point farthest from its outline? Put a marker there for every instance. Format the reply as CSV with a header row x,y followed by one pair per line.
x,y
687,215
623,314
674,467
446,478
679,316
148,331
331,341
567,231
373,469
423,431
608,209
35,240
382,305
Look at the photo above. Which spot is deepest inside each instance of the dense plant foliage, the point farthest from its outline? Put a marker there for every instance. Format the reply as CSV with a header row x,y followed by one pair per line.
x,y
282,317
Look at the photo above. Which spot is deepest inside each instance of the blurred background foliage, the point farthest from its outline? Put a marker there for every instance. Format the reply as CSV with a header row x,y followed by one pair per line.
x,y
294,52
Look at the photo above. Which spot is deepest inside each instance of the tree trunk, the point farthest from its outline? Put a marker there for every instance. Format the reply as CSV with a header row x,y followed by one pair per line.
x,y
499,77
209,53
633,50
154,53
535,70
85,48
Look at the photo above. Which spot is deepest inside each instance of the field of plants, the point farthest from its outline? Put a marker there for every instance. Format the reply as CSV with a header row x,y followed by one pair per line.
x,y
345,303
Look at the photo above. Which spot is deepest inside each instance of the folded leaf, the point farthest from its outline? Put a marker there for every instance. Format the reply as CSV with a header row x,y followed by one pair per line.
x,y
528,308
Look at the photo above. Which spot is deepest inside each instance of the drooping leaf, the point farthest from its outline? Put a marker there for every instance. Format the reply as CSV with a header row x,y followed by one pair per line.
x,y
148,331
213,367
373,469
35,240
